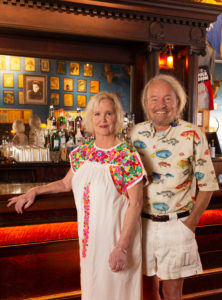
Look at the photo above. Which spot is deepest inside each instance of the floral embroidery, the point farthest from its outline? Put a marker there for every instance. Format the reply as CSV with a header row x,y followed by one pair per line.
x,y
124,164
86,201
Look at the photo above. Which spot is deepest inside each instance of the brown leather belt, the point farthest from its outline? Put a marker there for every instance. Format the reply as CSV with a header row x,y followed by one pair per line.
x,y
164,218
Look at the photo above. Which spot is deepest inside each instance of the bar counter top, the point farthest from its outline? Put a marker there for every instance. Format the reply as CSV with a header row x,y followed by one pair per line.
x,y
48,208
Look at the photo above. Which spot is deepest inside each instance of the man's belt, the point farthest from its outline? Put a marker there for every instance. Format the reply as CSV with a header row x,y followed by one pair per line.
x,y
164,218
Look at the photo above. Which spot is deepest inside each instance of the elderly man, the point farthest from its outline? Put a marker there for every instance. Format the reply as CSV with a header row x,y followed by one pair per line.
x,y
182,179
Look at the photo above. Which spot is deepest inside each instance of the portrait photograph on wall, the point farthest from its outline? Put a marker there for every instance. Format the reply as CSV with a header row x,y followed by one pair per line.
x,y
54,99
45,65
81,85
68,99
88,70
54,83
15,63
30,64
94,86
81,101
35,89
8,97
8,80
74,68
68,84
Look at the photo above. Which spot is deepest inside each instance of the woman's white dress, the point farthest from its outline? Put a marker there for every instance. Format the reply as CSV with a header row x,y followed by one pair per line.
x,y
100,182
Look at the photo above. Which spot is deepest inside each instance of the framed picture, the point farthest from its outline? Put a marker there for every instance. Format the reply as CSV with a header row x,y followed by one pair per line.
x,y
8,80
45,65
81,100
15,63
29,64
54,83
87,70
35,89
2,62
54,99
20,97
60,67
68,99
74,68
94,86
81,85
20,81
68,84
8,97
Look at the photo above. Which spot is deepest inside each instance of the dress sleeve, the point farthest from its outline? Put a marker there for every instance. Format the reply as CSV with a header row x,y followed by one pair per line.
x,y
133,170
74,158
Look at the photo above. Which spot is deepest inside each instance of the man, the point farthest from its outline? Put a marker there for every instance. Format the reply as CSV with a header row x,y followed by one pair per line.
x,y
36,92
182,179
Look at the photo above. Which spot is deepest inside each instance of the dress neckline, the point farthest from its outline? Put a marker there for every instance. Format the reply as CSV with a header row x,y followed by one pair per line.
x,y
108,149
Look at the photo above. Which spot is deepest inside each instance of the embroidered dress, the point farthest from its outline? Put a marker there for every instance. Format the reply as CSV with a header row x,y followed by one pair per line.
x,y
100,182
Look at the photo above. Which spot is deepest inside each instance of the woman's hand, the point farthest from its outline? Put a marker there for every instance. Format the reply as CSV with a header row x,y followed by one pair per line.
x,y
117,260
23,201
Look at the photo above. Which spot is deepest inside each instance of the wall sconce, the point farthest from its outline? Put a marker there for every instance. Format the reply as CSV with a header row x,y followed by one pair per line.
x,y
166,58
170,58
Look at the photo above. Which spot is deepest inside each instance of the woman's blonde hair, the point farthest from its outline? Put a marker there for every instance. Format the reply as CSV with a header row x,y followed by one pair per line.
x,y
176,86
93,104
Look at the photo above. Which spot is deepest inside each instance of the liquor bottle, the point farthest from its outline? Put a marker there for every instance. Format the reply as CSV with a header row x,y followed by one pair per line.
x,y
63,148
51,121
78,119
54,140
78,136
61,120
212,149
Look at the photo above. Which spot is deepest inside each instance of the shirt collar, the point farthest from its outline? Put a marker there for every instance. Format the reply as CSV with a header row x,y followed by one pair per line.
x,y
153,131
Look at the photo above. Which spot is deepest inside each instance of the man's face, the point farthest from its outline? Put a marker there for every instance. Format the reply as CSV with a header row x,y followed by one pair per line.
x,y
35,87
161,104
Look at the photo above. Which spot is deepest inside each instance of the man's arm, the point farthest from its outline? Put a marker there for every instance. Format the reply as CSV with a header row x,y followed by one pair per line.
x,y
201,203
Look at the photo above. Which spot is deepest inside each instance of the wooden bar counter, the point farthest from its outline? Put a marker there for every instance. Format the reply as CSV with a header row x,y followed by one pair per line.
x,y
39,253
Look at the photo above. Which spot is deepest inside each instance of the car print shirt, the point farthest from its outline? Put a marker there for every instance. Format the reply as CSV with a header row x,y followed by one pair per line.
x,y
177,162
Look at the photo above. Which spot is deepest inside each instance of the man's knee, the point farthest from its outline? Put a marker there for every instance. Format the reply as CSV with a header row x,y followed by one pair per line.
x,y
172,289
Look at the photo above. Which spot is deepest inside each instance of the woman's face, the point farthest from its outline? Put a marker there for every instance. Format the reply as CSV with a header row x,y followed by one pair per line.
x,y
104,118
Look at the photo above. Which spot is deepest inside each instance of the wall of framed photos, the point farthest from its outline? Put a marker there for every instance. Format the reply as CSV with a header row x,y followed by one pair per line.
x,y
36,83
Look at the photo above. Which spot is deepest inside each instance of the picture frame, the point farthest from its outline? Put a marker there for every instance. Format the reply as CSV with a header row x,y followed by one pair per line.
x,y
15,63
54,99
68,84
35,89
8,97
68,99
20,81
74,68
81,101
30,64
94,86
8,80
54,83
88,70
2,62
21,97
60,67
81,85
44,65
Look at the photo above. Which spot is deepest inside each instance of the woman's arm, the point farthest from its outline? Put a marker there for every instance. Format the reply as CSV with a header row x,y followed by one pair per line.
x,y
118,256
26,200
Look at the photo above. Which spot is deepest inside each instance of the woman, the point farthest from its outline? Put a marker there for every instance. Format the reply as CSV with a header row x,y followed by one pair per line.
x,y
106,176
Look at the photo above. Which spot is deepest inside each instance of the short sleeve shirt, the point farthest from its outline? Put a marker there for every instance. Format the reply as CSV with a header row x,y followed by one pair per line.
x,y
176,163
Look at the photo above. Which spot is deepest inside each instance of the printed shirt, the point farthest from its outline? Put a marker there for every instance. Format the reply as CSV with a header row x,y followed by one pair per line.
x,y
176,163
124,163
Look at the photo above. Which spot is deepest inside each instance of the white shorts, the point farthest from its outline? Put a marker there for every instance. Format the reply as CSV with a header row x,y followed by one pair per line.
x,y
169,249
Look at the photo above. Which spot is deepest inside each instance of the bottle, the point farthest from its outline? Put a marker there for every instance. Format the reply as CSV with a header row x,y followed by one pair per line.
x,y
61,120
51,121
78,119
70,145
78,136
212,149
54,140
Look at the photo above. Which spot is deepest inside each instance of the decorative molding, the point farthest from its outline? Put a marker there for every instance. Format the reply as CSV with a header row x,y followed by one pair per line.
x,y
127,10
